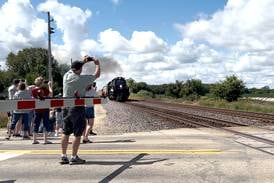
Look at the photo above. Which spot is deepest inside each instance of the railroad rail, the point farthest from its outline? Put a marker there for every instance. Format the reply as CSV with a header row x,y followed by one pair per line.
x,y
193,120
177,109
263,117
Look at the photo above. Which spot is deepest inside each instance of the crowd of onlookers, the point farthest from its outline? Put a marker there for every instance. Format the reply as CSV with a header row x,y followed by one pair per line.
x,y
49,122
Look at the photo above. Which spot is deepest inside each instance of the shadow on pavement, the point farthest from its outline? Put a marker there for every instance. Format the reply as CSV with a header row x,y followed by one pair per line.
x,y
125,165
114,141
8,181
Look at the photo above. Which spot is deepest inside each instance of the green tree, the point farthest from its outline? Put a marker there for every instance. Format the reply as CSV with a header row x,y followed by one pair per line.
x,y
193,87
156,89
28,60
30,63
6,78
132,85
142,86
174,89
230,89
145,93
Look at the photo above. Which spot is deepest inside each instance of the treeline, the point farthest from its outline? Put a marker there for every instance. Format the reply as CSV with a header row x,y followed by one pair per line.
x,y
28,64
261,92
230,89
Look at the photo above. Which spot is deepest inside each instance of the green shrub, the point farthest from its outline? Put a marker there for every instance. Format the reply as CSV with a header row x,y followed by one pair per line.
x,y
145,93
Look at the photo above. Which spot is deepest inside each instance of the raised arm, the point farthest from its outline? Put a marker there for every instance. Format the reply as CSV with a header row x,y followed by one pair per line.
x,y
97,68
50,89
97,65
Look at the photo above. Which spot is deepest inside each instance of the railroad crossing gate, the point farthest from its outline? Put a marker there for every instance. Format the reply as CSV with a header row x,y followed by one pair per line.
x,y
10,105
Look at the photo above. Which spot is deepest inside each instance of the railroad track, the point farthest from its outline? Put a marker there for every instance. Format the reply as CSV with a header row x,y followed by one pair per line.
x,y
176,110
193,120
262,117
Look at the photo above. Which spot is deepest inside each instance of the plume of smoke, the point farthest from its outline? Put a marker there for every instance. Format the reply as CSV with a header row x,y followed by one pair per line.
x,y
108,66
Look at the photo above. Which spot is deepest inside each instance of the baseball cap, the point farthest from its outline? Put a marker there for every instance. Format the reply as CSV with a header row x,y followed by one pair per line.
x,y
76,65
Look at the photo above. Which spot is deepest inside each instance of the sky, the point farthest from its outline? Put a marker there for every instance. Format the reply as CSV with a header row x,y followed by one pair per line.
x,y
155,41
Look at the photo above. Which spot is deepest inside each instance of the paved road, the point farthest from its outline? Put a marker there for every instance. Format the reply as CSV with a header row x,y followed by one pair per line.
x,y
182,155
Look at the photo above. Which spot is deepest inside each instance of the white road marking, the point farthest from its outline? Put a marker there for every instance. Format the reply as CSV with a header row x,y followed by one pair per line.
x,y
8,155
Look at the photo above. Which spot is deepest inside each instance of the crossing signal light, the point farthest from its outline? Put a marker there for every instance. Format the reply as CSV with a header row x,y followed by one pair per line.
x,y
51,30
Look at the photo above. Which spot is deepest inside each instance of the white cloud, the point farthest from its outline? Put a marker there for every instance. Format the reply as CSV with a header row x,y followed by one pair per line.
x,y
140,42
187,51
243,26
20,27
145,42
146,57
71,21
113,41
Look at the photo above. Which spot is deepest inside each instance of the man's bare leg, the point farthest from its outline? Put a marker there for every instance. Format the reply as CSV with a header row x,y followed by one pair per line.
x,y
90,123
75,145
64,143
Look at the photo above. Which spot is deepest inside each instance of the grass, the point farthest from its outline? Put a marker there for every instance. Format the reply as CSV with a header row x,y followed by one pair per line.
x,y
3,119
242,105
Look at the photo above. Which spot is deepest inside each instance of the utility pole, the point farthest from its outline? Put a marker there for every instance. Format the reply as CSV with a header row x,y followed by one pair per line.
x,y
50,31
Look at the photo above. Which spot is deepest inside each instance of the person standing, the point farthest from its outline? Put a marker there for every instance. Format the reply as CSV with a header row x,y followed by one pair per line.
x,y
21,94
90,115
12,90
74,85
42,91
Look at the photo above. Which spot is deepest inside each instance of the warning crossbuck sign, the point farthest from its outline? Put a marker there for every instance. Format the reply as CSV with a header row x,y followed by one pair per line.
x,y
10,105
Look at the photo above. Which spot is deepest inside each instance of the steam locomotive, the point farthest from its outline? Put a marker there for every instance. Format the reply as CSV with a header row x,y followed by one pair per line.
x,y
117,89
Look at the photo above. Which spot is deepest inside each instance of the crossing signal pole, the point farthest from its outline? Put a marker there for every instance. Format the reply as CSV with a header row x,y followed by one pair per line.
x,y
50,31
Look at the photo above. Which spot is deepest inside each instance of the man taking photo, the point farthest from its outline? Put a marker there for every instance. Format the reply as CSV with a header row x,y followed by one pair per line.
x,y
74,85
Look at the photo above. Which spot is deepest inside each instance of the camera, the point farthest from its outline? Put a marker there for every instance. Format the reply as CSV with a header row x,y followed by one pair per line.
x,y
90,59
46,81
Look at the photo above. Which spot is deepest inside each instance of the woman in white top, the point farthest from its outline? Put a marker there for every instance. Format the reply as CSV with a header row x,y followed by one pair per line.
x,y
21,94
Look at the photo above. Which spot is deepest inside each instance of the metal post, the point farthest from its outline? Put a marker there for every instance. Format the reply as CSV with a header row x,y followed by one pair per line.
x,y
49,49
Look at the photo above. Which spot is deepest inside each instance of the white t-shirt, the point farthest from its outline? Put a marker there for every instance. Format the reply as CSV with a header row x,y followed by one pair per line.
x,y
91,92
12,89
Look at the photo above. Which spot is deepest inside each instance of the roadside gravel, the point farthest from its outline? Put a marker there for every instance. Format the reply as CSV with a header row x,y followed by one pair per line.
x,y
122,118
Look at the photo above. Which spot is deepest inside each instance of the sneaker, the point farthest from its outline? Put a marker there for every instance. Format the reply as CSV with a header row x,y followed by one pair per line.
x,y
76,161
64,160
86,141
7,138
92,133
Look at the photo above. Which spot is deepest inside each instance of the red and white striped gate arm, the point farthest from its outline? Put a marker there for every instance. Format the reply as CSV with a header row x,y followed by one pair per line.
x,y
10,105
